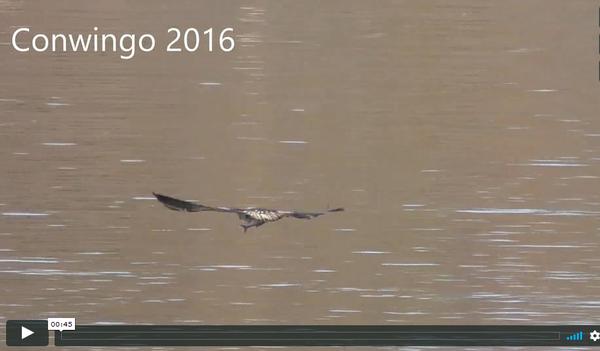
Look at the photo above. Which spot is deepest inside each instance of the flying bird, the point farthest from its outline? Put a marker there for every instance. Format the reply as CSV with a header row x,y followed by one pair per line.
x,y
250,217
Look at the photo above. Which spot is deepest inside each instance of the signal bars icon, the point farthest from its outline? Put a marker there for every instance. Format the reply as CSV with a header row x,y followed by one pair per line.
x,y
575,336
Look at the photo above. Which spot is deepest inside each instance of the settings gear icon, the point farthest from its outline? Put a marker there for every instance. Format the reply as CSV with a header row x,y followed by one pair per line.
x,y
595,336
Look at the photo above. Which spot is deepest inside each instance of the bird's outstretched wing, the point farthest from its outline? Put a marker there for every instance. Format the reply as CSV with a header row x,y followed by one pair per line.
x,y
188,206
310,215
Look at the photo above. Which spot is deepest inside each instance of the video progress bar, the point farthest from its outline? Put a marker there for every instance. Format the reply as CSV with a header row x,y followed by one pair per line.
x,y
321,335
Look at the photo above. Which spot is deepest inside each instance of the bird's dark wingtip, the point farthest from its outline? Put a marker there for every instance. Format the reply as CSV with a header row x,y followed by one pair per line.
x,y
157,195
339,209
161,198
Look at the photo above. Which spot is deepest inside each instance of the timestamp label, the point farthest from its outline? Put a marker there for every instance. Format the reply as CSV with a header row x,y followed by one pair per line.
x,y
61,324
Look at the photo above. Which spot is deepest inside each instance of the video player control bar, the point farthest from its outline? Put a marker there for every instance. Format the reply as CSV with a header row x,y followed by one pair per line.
x,y
327,335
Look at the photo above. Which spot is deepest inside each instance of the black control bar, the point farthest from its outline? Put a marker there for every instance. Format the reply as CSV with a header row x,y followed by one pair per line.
x,y
327,335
